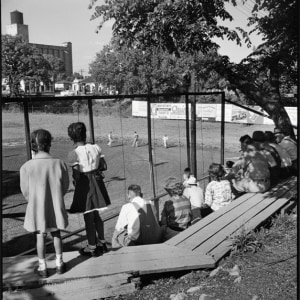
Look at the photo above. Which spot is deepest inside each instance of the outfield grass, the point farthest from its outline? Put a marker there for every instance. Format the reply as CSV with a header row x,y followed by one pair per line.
x,y
208,134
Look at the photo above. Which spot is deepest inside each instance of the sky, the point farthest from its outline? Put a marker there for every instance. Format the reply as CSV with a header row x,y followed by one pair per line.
x,y
53,22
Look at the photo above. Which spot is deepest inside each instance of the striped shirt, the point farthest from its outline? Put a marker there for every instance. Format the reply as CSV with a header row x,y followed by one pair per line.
x,y
177,212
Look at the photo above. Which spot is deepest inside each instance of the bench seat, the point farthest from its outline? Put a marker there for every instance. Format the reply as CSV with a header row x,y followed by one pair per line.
x,y
210,235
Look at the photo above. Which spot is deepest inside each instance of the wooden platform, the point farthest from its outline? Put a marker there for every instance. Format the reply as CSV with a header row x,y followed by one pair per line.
x,y
200,246
210,235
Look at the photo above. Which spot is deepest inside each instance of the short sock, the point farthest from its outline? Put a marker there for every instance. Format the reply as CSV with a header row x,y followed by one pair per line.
x,y
42,265
102,241
92,247
59,260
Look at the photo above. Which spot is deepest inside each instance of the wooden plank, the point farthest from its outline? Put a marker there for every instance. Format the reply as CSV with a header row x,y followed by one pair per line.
x,y
19,272
288,207
260,208
216,229
220,214
190,231
86,288
222,249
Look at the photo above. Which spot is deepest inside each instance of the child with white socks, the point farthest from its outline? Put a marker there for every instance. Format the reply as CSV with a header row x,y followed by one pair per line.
x,y
44,181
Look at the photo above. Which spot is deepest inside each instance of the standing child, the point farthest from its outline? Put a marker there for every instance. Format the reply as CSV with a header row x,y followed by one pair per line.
x,y
44,180
90,194
218,191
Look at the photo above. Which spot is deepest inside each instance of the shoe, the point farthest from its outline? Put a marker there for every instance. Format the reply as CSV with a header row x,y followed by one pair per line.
x,y
61,269
86,251
102,247
41,273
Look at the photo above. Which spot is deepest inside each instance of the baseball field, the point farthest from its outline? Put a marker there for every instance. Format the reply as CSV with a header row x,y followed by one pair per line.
x,y
126,164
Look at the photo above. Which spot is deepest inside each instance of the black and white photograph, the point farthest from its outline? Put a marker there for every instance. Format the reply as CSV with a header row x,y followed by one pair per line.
x,y
149,149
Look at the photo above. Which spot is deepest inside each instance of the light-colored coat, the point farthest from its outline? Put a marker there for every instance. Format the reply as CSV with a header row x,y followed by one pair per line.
x,y
44,181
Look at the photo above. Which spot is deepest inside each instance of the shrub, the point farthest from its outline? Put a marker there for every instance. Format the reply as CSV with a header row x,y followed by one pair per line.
x,y
246,242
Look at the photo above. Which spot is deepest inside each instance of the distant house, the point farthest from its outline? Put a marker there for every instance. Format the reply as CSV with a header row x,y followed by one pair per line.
x,y
88,84
76,85
63,85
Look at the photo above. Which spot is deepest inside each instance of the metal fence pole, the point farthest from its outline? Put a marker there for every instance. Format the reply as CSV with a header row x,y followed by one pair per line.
x,y
187,130
222,127
27,129
91,121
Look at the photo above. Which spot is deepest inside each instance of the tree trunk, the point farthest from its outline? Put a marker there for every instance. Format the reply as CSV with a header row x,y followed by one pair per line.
x,y
271,103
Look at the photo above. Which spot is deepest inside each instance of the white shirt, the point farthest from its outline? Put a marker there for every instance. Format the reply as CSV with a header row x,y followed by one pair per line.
x,y
165,138
87,157
130,217
194,194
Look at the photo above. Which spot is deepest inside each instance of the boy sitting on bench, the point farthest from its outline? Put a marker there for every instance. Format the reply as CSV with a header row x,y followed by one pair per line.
x,y
137,223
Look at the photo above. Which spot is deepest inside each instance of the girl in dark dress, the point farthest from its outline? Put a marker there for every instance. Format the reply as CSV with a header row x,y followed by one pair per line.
x,y
90,194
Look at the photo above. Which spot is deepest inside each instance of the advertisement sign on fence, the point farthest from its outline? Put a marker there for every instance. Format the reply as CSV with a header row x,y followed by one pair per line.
x,y
209,112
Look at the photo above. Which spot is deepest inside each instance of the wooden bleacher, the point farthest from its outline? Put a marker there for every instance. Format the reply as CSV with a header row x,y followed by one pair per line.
x,y
200,246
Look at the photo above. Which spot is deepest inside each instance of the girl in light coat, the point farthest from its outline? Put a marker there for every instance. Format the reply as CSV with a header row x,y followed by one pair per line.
x,y
44,180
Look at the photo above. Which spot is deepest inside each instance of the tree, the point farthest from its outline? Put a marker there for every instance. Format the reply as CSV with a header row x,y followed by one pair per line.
x,y
57,67
189,26
20,61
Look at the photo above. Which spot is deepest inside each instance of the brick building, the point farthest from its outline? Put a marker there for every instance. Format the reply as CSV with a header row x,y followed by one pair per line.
x,y
64,51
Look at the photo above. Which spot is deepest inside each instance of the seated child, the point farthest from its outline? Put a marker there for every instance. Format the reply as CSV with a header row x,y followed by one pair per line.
x,y
176,214
218,191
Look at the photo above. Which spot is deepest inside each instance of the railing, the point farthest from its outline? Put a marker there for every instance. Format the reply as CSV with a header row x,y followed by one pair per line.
x,y
157,198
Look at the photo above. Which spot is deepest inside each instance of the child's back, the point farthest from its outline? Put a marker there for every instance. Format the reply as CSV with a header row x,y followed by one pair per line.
x,y
44,180
218,194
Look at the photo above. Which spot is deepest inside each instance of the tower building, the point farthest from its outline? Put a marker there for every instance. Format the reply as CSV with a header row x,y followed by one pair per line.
x,y
63,52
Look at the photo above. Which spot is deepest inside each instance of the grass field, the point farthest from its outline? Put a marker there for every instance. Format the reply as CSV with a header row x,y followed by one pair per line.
x,y
126,165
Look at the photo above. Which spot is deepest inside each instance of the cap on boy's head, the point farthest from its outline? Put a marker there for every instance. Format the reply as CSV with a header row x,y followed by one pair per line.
x,y
41,140
192,180
187,170
135,188
279,130
258,136
216,170
173,186
269,135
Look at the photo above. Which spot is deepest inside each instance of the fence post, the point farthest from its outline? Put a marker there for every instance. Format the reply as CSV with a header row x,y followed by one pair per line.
x,y
91,121
27,129
150,154
193,138
187,130
222,126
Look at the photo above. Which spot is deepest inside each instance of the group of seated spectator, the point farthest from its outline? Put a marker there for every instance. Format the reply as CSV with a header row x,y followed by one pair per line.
x,y
266,157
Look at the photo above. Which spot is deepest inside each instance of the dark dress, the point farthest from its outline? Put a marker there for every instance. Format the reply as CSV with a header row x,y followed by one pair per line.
x,y
90,191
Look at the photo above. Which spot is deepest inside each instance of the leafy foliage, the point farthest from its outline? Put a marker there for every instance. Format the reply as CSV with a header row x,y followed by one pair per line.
x,y
246,242
154,70
173,25
20,61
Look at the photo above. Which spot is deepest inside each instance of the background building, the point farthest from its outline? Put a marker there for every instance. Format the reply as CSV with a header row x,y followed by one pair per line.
x,y
64,52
